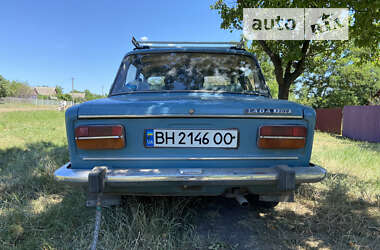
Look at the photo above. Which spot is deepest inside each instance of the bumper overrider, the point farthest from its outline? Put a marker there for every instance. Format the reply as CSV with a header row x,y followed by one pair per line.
x,y
284,176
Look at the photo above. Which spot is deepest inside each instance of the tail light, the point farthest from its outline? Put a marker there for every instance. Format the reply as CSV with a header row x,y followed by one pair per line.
x,y
100,137
282,137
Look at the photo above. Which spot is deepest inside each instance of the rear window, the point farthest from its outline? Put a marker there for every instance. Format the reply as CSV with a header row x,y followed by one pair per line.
x,y
189,72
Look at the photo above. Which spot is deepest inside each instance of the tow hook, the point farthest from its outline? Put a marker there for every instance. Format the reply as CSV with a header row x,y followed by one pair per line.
x,y
96,186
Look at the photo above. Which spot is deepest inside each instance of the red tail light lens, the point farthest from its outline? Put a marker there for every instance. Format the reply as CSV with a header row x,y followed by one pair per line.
x,y
282,137
100,137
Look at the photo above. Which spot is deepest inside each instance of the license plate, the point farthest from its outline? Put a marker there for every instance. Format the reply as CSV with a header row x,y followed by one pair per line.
x,y
191,138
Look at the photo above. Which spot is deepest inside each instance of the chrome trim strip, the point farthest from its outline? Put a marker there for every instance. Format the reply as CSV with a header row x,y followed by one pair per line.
x,y
191,116
190,171
281,137
208,175
188,158
98,137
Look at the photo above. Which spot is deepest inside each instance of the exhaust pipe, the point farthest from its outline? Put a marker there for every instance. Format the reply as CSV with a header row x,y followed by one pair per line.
x,y
238,197
241,200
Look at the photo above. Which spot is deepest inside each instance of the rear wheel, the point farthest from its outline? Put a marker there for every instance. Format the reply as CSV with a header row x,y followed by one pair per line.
x,y
254,200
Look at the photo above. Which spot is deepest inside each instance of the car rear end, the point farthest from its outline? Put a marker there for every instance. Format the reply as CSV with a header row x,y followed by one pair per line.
x,y
265,150
207,132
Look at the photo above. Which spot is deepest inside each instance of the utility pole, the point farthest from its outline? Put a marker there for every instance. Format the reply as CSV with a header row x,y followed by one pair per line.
x,y
72,84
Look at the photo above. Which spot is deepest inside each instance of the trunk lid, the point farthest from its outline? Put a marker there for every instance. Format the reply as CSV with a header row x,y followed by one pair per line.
x,y
181,103
138,112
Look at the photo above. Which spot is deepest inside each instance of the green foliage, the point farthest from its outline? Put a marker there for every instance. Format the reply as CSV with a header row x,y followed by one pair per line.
x,y
43,97
59,90
91,96
19,89
268,72
340,80
291,58
375,100
14,88
364,27
4,87
61,95
65,97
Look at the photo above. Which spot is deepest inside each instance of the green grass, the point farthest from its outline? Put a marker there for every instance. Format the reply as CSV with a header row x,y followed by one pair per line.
x,y
5,107
37,212
341,212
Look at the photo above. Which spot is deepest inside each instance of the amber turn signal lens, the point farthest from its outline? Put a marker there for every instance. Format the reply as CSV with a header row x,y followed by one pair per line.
x,y
100,137
282,137
101,143
282,143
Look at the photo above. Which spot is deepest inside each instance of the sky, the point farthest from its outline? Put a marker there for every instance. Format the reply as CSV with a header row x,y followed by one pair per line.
x,y
49,42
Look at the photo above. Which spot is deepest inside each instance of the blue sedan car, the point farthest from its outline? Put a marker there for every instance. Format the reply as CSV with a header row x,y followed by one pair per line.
x,y
191,121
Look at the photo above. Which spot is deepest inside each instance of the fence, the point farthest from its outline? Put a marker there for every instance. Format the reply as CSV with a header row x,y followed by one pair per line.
x,y
329,120
362,123
34,101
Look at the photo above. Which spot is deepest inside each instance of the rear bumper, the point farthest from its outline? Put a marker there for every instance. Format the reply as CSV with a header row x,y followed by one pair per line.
x,y
204,176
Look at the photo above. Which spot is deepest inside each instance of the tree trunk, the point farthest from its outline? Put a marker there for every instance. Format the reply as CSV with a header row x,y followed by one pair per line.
x,y
286,78
283,91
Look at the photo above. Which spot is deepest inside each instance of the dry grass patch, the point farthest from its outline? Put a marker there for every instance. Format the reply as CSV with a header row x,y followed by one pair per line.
x,y
13,107
341,212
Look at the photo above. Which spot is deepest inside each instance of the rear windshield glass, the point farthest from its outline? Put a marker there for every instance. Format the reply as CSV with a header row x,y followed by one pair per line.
x,y
189,72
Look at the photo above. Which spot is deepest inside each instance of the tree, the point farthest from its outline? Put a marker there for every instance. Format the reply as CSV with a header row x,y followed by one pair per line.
x,y
59,90
60,94
291,58
19,89
340,80
91,96
88,95
4,85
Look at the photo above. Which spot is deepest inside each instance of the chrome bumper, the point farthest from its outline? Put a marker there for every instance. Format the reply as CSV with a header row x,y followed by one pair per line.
x,y
250,176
